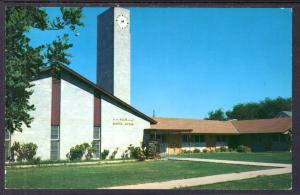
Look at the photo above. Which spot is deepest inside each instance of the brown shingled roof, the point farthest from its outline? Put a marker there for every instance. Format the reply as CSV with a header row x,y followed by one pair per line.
x,y
275,125
197,126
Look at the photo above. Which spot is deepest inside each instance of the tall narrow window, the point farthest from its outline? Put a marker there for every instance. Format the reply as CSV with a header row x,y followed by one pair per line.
x,y
54,150
7,145
202,139
97,141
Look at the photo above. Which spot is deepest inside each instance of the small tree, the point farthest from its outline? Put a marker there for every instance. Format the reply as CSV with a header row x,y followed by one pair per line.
x,y
77,152
25,151
23,62
104,154
216,115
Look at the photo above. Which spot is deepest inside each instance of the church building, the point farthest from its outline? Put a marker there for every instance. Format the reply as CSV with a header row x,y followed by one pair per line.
x,y
71,110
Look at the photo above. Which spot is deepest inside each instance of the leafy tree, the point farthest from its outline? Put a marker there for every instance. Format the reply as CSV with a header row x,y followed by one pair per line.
x,y
23,61
216,115
244,111
267,108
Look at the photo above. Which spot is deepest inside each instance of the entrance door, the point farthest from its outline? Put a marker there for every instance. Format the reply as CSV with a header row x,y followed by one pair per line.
x,y
210,142
174,144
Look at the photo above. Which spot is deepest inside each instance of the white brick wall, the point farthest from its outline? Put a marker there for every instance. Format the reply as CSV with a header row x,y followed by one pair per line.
x,y
120,136
39,133
77,121
76,117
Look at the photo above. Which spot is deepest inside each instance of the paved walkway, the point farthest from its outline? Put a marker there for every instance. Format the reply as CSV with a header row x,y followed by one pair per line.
x,y
233,162
284,168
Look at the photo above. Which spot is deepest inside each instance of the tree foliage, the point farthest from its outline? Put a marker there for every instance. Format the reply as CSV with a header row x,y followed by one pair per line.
x,y
23,61
265,109
216,115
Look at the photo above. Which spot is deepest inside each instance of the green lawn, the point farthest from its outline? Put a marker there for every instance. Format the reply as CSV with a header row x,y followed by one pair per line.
x,y
271,157
104,175
276,182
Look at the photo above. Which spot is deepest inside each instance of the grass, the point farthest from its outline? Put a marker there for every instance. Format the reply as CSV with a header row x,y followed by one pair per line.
x,y
105,175
44,162
274,182
271,157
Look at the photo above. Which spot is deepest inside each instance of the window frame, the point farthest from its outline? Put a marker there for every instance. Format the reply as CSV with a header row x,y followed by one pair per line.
x,y
58,133
9,136
185,138
221,138
98,140
58,150
55,140
99,135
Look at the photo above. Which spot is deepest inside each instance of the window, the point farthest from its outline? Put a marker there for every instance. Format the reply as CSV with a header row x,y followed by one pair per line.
x,y
202,138
279,138
97,148
7,145
275,138
196,138
96,133
7,135
158,137
185,138
191,138
283,138
7,149
161,138
97,137
151,136
54,155
54,132
221,138
54,143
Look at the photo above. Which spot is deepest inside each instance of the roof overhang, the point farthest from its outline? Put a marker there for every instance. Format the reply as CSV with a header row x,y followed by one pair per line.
x,y
177,131
102,92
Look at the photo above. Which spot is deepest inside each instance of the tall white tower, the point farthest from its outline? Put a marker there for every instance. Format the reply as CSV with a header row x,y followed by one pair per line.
x,y
113,52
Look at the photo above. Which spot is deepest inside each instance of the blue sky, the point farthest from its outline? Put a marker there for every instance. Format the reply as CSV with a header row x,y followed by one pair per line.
x,y
186,62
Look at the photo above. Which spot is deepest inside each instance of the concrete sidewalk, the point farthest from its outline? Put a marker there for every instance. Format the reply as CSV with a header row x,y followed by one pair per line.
x,y
283,168
205,180
233,162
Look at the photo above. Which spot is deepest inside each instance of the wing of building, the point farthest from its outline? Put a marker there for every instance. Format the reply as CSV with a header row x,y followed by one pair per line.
x,y
72,110
175,134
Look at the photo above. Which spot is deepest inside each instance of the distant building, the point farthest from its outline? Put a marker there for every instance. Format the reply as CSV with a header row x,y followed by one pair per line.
x,y
284,114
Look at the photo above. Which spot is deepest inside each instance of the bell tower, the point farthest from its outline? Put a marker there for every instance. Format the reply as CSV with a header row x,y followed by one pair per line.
x,y
113,52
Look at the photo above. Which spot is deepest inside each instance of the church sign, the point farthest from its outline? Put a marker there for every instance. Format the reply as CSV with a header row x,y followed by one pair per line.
x,y
123,121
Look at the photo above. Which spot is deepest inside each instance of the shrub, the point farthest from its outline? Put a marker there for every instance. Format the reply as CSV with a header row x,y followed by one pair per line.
x,y
140,154
77,152
152,151
113,155
217,150
223,149
137,152
204,150
242,148
231,150
104,154
22,152
196,150
125,155
183,151
36,160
